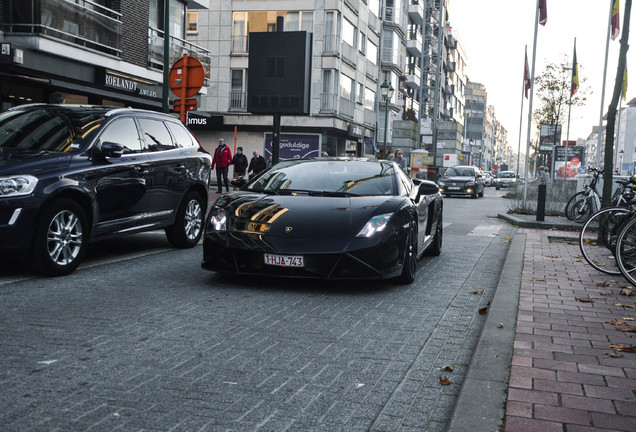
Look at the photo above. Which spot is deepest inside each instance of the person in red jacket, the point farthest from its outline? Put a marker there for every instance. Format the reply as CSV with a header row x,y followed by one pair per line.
x,y
222,160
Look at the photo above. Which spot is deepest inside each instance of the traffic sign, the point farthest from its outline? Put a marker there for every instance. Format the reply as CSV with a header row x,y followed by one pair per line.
x,y
187,74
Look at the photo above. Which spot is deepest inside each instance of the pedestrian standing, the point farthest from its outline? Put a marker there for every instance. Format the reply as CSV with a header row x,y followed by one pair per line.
x,y
257,164
398,159
269,161
240,163
222,160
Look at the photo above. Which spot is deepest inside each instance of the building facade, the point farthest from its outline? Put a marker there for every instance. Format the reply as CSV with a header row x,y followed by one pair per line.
x,y
105,52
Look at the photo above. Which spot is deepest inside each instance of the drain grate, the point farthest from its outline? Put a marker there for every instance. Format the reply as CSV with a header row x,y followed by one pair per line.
x,y
564,240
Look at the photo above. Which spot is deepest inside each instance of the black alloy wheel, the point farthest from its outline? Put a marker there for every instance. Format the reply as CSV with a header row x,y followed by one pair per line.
x,y
410,258
188,226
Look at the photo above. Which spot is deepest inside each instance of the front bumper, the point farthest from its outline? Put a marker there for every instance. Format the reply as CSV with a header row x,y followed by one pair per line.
x,y
324,258
18,218
459,189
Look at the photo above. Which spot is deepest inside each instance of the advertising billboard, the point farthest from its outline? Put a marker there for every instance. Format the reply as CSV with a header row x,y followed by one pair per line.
x,y
576,160
549,136
294,146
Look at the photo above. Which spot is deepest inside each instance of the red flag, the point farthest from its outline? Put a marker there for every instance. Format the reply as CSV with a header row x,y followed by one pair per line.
x,y
575,73
526,76
616,21
543,12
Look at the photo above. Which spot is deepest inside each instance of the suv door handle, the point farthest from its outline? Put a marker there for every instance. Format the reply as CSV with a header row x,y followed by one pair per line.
x,y
141,170
180,167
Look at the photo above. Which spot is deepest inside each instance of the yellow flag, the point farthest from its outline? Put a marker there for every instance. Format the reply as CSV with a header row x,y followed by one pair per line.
x,y
625,83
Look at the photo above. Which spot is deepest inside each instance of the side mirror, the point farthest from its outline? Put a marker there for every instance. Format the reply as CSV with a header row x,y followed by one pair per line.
x,y
111,149
428,188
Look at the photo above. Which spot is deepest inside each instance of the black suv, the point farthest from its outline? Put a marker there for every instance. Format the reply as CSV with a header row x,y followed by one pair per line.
x,y
462,180
72,174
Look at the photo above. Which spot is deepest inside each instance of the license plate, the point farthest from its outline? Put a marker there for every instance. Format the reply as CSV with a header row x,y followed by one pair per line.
x,y
285,260
453,188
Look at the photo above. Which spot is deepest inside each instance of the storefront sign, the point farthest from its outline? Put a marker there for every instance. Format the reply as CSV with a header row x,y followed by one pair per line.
x,y
128,83
294,146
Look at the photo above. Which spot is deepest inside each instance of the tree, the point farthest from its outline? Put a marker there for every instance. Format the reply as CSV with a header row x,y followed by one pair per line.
x,y
611,112
553,91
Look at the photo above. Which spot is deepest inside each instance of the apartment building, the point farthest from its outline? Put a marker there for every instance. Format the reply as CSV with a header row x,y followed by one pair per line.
x,y
106,52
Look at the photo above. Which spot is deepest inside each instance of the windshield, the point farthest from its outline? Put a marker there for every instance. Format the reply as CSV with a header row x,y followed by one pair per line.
x,y
460,172
329,176
506,175
46,130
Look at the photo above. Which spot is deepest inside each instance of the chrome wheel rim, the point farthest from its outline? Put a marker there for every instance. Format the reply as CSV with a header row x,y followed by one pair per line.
x,y
193,220
64,238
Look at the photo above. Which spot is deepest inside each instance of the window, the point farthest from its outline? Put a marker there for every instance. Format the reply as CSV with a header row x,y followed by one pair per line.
x,y
360,94
369,99
374,7
193,23
363,43
237,91
156,134
349,33
346,88
181,135
372,53
123,131
239,32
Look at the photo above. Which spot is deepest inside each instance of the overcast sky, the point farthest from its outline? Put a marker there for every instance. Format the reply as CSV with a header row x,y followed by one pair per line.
x,y
494,33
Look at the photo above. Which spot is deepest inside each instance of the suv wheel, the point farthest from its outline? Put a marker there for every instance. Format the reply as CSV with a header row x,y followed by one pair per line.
x,y
188,227
61,238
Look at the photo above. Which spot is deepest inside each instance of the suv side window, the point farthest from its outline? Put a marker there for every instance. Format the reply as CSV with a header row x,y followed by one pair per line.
x,y
180,133
123,131
156,135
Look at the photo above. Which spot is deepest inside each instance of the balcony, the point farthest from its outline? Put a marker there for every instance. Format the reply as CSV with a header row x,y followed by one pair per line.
x,y
393,57
449,66
78,22
414,43
449,89
178,47
327,103
349,54
347,108
331,46
240,44
412,77
416,11
450,41
395,17
238,100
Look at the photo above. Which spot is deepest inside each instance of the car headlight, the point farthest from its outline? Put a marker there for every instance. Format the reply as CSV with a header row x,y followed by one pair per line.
x,y
376,224
217,220
17,185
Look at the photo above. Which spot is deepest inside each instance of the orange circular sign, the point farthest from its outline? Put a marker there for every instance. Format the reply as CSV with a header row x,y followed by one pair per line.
x,y
186,72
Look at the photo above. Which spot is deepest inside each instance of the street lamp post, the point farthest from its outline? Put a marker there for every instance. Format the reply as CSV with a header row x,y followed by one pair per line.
x,y
471,143
387,93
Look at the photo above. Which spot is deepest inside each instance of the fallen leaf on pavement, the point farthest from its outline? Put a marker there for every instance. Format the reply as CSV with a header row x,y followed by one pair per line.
x,y
623,348
631,329
624,305
629,318
500,325
448,368
483,311
477,292
609,294
616,323
552,256
538,279
585,299
601,284
627,292
615,354
444,381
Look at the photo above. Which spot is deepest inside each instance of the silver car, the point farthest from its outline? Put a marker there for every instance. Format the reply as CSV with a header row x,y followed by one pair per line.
x,y
505,179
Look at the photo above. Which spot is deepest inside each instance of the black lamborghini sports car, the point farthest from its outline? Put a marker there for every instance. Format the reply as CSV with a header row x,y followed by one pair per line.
x,y
326,218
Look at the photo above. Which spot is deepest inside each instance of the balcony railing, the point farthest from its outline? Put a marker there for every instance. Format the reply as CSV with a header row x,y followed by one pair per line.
x,y
327,103
349,54
238,100
393,57
240,44
347,108
178,47
79,22
395,16
331,45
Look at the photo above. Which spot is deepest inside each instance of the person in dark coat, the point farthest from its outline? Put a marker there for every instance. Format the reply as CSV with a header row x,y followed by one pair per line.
x,y
222,160
257,164
240,165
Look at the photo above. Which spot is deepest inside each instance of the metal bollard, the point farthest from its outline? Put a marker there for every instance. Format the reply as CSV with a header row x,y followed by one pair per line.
x,y
541,203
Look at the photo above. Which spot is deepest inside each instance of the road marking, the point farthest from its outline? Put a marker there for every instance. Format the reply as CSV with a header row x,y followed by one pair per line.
x,y
486,230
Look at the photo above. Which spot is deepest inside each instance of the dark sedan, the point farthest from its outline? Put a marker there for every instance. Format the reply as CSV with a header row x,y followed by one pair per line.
x,y
326,218
462,180
72,174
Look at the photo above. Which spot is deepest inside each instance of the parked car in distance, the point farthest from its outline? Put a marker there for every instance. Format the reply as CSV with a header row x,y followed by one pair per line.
x,y
487,178
462,180
72,174
505,179
326,218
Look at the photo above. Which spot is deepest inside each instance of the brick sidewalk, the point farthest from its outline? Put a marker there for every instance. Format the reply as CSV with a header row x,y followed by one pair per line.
x,y
564,375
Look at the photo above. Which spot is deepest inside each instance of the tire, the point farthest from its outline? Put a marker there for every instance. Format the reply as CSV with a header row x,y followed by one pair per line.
x,y
626,250
188,226
474,194
497,187
410,258
436,247
582,210
598,238
568,207
61,238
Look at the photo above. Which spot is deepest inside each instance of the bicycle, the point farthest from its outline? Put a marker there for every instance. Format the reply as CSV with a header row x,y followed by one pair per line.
x,y
625,250
583,204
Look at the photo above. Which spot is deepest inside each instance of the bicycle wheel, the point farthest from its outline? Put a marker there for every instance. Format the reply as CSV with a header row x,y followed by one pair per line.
x,y
626,250
582,209
568,207
599,236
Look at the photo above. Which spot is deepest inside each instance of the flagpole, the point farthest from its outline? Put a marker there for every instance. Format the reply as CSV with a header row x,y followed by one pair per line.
x,y
534,56
600,120
567,134
523,90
